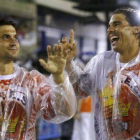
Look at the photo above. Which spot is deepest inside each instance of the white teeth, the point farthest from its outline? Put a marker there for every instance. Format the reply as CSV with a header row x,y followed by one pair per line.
x,y
113,37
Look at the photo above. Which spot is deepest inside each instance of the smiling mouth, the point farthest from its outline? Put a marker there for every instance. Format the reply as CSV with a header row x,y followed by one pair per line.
x,y
13,49
114,40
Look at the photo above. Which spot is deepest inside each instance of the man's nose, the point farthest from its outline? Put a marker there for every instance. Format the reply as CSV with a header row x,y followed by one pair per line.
x,y
13,42
110,29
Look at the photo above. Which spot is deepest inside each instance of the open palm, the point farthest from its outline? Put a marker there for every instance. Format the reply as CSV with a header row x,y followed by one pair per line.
x,y
56,60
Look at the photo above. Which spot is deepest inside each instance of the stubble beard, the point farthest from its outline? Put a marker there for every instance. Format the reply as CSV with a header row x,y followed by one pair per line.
x,y
11,57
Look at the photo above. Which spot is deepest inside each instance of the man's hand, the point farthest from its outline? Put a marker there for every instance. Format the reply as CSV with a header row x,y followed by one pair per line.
x,y
56,63
69,47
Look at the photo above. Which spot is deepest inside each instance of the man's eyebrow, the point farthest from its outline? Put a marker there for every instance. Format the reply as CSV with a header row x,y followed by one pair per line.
x,y
114,22
16,35
117,22
4,35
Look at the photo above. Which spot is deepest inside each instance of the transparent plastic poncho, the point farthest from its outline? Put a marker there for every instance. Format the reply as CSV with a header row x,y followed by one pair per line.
x,y
116,95
31,95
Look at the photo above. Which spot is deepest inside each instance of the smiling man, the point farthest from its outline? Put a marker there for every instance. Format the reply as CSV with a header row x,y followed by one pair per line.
x,y
124,36
112,79
8,51
9,47
25,96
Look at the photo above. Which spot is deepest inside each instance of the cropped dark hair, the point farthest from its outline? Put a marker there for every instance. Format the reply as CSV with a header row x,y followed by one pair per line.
x,y
7,22
131,15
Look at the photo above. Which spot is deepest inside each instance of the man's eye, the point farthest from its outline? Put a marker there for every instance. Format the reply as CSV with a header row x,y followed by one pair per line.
x,y
5,37
16,37
116,24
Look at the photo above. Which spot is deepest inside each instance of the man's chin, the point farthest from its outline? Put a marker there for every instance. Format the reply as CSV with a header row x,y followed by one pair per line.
x,y
15,59
12,58
115,48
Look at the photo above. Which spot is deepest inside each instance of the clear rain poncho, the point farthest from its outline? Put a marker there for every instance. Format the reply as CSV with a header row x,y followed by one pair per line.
x,y
30,95
116,96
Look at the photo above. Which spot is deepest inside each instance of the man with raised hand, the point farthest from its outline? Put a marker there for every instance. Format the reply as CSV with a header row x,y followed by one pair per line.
x,y
25,96
112,78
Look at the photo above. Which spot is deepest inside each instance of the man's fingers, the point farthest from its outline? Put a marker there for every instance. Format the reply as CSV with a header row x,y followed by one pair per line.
x,y
49,51
71,36
74,47
71,47
47,66
64,40
55,49
65,54
43,63
60,50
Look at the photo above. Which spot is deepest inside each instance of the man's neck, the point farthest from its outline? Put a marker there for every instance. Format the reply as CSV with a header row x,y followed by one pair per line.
x,y
6,68
128,56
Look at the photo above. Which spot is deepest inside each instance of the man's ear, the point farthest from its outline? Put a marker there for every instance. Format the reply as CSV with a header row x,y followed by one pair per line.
x,y
136,30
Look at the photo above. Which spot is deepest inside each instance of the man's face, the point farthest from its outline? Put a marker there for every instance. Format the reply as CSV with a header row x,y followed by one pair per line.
x,y
120,33
9,45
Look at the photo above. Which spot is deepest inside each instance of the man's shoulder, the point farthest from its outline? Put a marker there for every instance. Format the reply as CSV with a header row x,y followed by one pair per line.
x,y
103,58
108,55
105,55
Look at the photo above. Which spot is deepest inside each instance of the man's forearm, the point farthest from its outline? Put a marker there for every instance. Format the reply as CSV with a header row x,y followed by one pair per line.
x,y
58,78
62,105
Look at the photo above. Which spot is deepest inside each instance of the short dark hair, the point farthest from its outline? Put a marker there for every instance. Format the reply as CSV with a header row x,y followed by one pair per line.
x,y
7,22
131,15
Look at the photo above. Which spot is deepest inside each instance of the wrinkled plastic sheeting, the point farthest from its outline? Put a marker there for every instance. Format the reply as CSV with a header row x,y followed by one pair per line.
x,y
116,94
126,107
31,95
